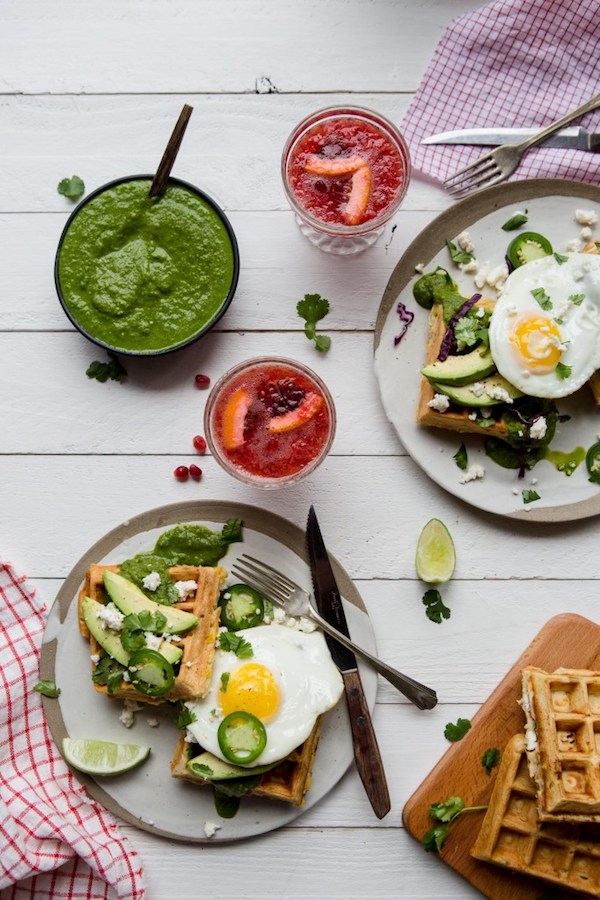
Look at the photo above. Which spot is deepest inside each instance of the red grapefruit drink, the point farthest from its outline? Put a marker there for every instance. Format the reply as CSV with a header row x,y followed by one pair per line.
x,y
345,171
269,421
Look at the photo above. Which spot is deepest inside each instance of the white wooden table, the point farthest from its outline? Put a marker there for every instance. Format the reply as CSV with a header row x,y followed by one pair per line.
x,y
93,88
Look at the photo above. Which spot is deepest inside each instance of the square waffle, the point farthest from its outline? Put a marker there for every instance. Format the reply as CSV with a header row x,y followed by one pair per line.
x,y
198,645
512,835
456,418
563,713
288,780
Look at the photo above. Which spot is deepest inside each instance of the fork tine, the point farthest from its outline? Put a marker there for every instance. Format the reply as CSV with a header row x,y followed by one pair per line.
x,y
261,566
474,164
478,186
259,584
484,171
475,183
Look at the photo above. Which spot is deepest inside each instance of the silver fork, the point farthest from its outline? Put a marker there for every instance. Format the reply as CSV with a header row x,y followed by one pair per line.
x,y
496,165
285,593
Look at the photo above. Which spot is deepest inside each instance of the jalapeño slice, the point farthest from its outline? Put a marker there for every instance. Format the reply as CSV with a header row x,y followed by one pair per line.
x,y
241,607
592,461
242,737
527,246
150,672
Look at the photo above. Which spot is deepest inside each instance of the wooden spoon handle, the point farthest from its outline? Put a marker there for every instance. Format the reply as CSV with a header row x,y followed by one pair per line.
x,y
171,150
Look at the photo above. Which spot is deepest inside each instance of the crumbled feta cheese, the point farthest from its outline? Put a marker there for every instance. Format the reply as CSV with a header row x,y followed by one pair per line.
x,y
586,233
480,312
153,641
516,491
470,268
126,676
210,829
563,310
152,581
464,242
188,737
530,739
185,587
188,664
110,617
439,402
573,246
472,474
497,276
127,714
95,658
481,275
472,416
477,389
153,723
280,617
537,431
497,392
585,217
534,481
420,268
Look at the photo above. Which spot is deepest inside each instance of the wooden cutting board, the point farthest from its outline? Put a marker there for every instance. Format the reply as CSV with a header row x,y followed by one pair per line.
x,y
567,640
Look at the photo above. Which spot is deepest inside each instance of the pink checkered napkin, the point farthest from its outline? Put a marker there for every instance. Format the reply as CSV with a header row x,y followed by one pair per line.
x,y
55,841
511,63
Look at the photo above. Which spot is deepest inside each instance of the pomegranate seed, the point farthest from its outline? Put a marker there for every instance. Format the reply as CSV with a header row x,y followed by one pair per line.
x,y
199,443
195,472
181,473
202,381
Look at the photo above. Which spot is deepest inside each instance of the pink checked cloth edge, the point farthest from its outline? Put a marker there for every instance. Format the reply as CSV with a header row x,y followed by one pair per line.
x,y
56,841
521,63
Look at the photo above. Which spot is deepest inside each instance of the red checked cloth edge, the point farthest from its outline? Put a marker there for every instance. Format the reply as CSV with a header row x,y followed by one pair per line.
x,y
55,841
510,63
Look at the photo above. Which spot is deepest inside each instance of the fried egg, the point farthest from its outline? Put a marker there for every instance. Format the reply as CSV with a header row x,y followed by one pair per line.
x,y
289,680
545,328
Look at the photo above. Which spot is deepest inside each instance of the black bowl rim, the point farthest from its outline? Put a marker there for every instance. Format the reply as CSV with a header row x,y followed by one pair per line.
x,y
222,309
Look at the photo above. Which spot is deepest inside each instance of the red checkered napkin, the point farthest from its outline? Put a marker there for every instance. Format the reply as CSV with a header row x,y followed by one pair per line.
x,y
511,63
55,841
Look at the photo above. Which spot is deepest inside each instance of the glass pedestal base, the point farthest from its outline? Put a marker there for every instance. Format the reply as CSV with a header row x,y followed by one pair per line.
x,y
341,246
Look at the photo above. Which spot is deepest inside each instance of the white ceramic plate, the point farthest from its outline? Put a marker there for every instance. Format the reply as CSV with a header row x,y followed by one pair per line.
x,y
551,206
149,797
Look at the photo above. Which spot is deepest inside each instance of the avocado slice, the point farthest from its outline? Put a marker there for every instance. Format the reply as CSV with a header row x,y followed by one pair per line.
x,y
110,641
459,370
464,396
208,766
130,599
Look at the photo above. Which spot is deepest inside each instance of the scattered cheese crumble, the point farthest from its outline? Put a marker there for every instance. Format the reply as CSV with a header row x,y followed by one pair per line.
x,y
538,430
464,242
127,714
472,474
185,587
110,617
210,829
440,403
585,217
152,581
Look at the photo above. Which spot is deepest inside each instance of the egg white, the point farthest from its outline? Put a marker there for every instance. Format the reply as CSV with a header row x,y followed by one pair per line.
x,y
308,680
577,325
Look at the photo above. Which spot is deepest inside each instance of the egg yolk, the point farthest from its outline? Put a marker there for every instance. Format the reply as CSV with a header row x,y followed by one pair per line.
x,y
537,343
251,688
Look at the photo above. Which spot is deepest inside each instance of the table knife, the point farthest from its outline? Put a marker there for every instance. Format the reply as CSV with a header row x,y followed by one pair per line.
x,y
575,138
329,603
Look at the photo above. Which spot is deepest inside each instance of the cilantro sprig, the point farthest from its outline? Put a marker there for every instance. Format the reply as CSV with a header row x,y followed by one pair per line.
x,y
457,732
135,626
563,371
102,371
542,298
185,717
515,221
490,759
47,688
530,496
312,309
109,672
73,188
461,458
444,814
458,256
228,640
435,608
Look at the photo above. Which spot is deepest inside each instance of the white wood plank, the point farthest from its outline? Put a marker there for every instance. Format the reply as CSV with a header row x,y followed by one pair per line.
x,y
232,147
219,45
371,509
278,266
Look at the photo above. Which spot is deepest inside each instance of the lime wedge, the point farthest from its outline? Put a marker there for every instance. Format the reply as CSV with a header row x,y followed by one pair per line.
x,y
102,757
436,558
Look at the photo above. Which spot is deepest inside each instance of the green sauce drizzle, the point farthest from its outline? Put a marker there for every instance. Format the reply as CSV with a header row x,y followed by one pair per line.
x,y
565,462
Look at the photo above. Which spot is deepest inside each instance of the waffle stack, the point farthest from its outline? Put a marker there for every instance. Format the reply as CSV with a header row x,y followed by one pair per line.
x,y
288,780
198,645
513,836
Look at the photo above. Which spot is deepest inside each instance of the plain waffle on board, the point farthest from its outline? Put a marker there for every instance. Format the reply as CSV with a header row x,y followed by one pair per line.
x,y
198,645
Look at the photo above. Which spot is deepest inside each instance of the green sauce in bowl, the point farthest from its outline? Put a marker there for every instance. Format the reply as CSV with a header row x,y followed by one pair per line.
x,y
145,276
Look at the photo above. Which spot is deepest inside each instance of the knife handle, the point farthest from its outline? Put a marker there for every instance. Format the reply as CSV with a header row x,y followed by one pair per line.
x,y
366,750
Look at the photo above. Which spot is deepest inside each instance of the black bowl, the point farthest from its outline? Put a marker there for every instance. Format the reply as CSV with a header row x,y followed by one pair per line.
x,y
197,334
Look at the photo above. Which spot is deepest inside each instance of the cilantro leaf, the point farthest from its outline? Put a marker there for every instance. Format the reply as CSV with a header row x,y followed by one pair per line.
x,y
312,309
47,688
444,814
563,371
456,732
436,611
231,532
460,457
109,672
530,496
73,188
515,222
490,759
102,371
186,717
564,418
225,676
228,640
457,255
135,626
433,840
448,810
560,259
577,299
542,298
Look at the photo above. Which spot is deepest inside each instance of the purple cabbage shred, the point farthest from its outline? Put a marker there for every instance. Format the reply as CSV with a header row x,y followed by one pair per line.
x,y
406,317
448,339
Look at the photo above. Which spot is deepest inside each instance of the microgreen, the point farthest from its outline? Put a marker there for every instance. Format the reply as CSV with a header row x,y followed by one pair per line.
x,y
577,299
186,717
73,188
435,609
458,256
444,814
47,688
515,222
530,496
542,298
102,371
563,371
312,309
456,732
490,759
228,640
460,457
560,259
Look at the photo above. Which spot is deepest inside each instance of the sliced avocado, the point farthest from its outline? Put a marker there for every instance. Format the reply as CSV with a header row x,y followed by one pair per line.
x,y
171,652
459,370
129,599
108,640
208,766
465,396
